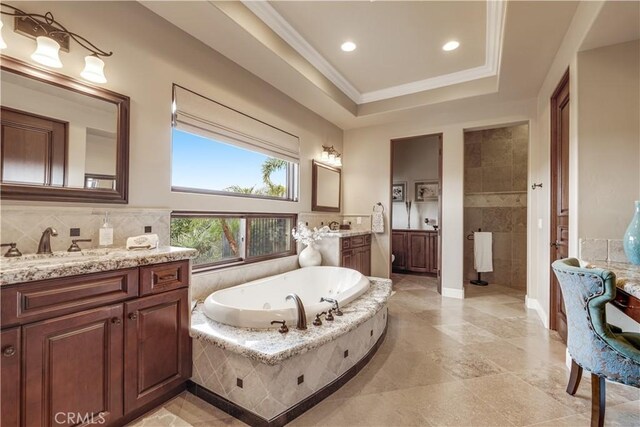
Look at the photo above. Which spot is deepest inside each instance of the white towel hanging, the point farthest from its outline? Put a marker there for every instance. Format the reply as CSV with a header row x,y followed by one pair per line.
x,y
483,251
377,218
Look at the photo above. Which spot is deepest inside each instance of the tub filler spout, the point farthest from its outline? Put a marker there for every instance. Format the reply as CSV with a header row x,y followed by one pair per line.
x,y
302,315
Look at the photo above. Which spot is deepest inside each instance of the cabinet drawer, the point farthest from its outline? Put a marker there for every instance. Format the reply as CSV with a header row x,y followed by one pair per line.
x,y
164,277
45,299
346,242
357,241
367,239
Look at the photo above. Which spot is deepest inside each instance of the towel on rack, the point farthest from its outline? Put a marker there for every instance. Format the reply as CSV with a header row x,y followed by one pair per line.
x,y
482,251
377,222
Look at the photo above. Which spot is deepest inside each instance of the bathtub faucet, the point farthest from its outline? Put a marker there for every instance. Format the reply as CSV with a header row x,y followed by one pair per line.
x,y
302,316
337,310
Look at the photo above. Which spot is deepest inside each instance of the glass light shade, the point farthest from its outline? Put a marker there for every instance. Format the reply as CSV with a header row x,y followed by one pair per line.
x,y
324,155
93,69
332,157
338,161
3,45
47,52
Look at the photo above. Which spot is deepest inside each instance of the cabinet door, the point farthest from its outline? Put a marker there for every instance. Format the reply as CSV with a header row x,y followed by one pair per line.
x,y
418,252
399,249
365,260
157,346
10,374
73,368
432,253
348,259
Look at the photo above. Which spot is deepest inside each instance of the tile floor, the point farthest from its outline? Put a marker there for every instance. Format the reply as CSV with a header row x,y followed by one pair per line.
x,y
484,361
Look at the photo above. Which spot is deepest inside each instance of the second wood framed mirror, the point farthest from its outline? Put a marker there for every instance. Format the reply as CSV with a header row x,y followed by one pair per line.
x,y
326,185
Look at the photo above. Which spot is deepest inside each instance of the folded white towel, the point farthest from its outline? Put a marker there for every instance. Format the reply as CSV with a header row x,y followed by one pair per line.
x,y
483,251
377,222
144,241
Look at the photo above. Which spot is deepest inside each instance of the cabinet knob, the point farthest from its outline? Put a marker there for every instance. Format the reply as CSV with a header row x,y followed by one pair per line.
x,y
116,320
9,351
133,316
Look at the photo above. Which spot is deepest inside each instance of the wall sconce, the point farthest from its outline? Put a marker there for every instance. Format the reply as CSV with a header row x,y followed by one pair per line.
x,y
51,37
3,45
331,156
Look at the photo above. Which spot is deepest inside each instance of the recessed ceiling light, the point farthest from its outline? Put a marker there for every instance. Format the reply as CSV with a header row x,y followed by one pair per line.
x,y
348,46
452,45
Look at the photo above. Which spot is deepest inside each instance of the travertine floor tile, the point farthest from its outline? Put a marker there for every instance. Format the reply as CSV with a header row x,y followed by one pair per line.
x,y
484,361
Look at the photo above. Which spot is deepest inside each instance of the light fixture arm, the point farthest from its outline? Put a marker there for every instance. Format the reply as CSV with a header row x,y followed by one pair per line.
x,y
53,27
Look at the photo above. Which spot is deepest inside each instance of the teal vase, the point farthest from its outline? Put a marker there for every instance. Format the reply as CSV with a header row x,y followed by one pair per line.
x,y
632,237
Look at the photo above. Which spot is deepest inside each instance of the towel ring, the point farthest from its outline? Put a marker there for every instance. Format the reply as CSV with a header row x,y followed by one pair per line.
x,y
378,205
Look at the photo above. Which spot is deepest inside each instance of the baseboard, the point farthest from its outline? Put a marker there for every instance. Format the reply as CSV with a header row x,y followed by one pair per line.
x,y
453,293
533,304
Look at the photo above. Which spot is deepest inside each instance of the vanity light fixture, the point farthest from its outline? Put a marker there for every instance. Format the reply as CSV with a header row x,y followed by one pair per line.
x,y
331,156
348,46
3,45
451,45
51,37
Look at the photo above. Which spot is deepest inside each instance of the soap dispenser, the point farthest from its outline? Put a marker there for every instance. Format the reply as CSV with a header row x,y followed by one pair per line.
x,y
106,232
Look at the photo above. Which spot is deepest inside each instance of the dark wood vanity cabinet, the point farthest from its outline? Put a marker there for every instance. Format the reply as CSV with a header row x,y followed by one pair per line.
x,y
355,253
101,353
415,251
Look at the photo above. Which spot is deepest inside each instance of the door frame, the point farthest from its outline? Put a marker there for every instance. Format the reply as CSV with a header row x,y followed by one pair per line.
x,y
554,132
392,143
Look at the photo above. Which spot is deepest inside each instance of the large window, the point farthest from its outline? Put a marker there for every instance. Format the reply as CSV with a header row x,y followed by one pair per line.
x,y
219,150
223,239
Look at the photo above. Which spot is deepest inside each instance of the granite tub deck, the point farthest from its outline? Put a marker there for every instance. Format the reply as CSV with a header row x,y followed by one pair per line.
x,y
31,267
268,378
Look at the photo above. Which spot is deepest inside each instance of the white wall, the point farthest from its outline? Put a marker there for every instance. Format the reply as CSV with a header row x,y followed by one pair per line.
x,y
415,160
368,149
608,139
149,56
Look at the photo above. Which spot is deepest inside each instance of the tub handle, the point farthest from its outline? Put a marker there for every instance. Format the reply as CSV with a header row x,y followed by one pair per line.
x,y
318,320
336,306
283,329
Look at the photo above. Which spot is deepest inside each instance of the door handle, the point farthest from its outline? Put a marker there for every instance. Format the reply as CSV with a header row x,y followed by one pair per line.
x,y
555,245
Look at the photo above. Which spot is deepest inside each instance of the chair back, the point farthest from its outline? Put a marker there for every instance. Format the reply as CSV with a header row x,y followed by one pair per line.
x,y
590,341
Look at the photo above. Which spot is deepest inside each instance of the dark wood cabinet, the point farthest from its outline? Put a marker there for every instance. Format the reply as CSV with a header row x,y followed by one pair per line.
x,y
73,368
356,253
415,251
157,346
10,377
89,350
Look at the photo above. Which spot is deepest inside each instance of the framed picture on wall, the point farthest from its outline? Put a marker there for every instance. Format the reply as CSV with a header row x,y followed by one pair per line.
x,y
426,190
399,192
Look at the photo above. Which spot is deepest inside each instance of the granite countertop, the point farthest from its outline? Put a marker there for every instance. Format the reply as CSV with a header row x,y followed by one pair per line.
x,y
347,233
424,230
628,276
271,347
31,267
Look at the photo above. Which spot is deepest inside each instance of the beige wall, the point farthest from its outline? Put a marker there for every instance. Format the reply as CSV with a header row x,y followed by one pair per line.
x,y
608,139
368,149
149,55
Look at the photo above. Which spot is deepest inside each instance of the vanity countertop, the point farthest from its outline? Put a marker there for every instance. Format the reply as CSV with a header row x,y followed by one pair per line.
x,y
271,347
628,275
348,233
31,267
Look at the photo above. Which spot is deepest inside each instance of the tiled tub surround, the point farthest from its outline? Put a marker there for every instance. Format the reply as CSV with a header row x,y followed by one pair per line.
x,y
24,224
496,200
267,373
29,268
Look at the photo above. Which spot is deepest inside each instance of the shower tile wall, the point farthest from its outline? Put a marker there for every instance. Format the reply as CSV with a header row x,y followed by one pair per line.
x,y
496,200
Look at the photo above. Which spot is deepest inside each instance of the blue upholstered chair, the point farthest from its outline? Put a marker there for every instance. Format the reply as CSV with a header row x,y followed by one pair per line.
x,y
600,348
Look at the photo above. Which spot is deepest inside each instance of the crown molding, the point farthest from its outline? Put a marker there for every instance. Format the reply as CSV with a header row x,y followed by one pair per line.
x,y
495,17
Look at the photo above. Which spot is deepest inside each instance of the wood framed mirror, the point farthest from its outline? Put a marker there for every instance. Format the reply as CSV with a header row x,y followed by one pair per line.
x,y
62,140
326,184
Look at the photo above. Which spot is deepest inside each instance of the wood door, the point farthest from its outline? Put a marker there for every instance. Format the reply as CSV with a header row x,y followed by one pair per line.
x,y
418,248
10,378
73,369
157,346
399,249
34,149
559,197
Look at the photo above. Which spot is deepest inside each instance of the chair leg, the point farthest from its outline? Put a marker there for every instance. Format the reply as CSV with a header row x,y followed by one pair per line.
x,y
598,399
574,378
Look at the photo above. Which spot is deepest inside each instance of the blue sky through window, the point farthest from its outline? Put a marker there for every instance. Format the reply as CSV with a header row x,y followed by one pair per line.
x,y
207,164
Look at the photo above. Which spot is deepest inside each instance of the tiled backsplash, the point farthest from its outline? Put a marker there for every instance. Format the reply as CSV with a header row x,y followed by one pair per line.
x,y
25,224
602,250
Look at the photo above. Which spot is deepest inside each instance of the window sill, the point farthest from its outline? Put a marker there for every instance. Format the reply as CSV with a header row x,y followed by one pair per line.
x,y
238,264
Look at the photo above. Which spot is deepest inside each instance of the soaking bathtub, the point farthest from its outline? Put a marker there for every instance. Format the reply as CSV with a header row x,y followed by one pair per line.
x,y
255,304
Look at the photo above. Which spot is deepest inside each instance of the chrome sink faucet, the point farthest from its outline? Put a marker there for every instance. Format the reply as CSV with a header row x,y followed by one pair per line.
x,y
302,315
44,247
